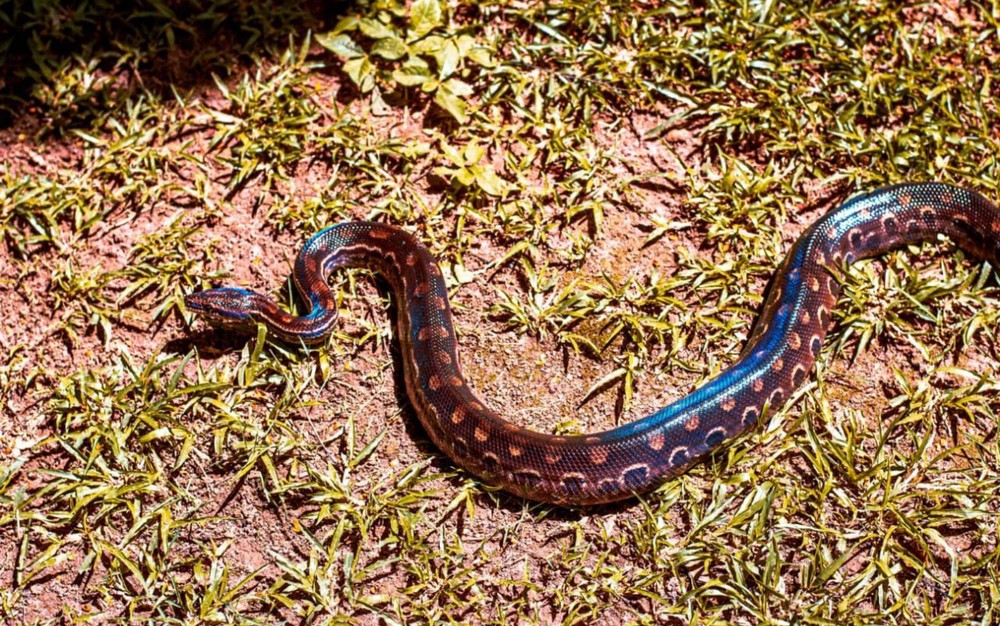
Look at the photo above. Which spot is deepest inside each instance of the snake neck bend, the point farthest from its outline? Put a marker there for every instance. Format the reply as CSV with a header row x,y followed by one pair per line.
x,y
635,457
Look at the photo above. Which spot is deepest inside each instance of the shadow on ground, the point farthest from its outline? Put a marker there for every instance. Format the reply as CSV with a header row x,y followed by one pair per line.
x,y
81,56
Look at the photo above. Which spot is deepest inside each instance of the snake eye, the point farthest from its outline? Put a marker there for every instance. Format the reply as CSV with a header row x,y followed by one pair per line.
x,y
225,304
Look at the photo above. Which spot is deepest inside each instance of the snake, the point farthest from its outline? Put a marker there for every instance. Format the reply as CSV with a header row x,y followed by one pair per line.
x,y
635,457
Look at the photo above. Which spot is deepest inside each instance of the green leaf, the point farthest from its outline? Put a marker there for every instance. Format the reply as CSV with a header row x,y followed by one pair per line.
x,y
361,73
451,102
431,45
390,48
425,16
345,24
465,177
341,45
375,29
448,59
488,180
457,87
413,73
473,153
482,56
430,86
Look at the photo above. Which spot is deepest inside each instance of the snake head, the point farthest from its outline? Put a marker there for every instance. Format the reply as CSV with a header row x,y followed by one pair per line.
x,y
228,307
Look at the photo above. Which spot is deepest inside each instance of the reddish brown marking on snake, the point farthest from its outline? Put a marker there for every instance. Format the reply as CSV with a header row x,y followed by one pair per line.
x,y
436,302
656,441
795,341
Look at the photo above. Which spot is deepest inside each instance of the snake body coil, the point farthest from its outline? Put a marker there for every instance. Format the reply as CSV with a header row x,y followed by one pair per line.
x,y
634,457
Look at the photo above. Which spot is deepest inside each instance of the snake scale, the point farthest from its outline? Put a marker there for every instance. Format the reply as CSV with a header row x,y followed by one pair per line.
x,y
635,457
